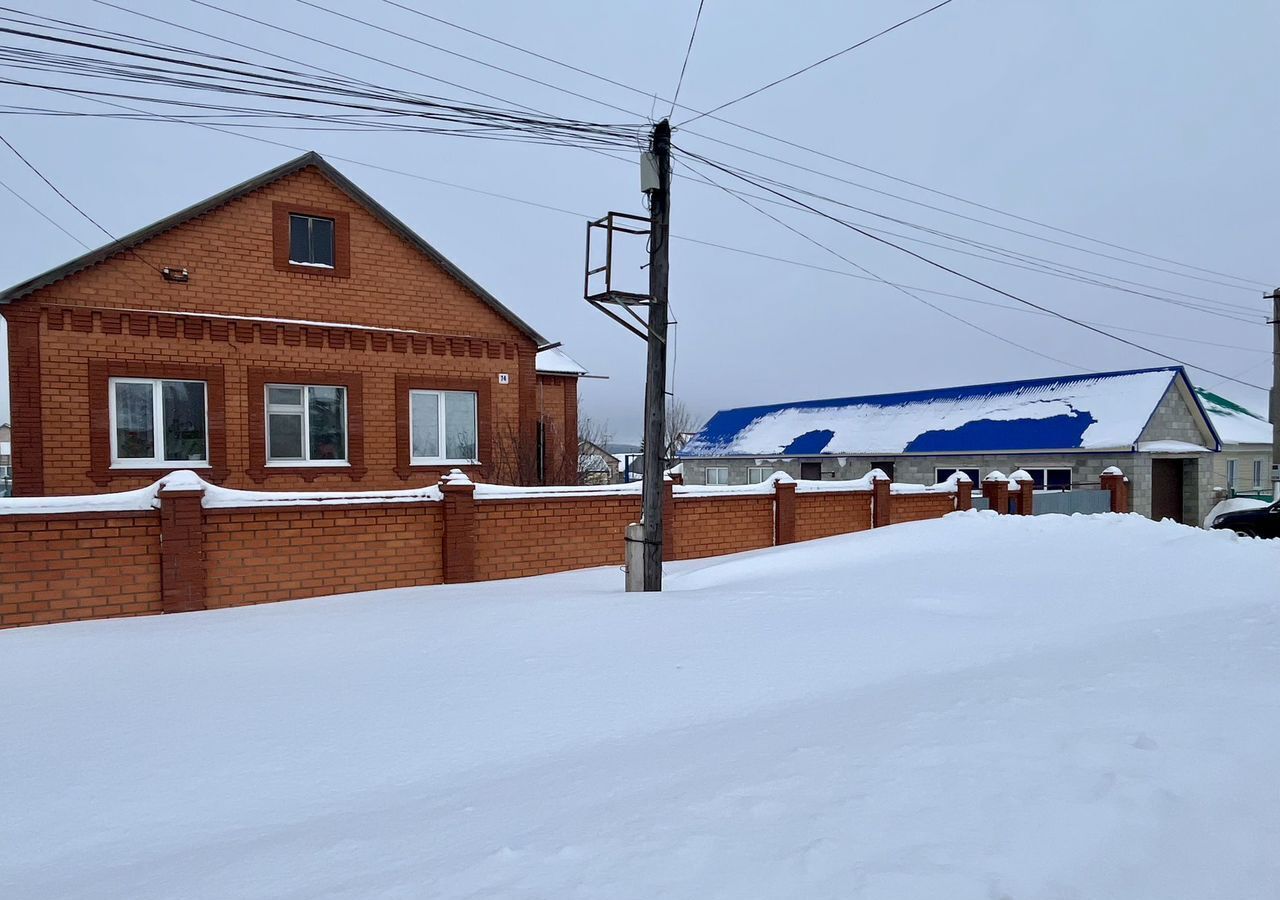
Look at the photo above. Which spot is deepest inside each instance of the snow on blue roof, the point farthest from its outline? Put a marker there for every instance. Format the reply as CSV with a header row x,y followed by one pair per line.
x,y
1101,411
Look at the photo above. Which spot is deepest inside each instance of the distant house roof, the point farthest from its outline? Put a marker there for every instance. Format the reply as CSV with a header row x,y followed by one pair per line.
x,y
1234,423
342,182
1102,411
554,361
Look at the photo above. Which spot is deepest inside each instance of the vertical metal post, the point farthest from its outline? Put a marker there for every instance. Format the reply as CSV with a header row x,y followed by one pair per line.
x,y
1275,395
655,399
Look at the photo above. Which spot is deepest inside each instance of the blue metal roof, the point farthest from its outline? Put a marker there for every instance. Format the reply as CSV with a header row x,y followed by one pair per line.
x,y
1106,410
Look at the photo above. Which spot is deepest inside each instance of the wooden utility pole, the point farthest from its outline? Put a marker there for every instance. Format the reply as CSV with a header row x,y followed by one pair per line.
x,y
1275,394
655,391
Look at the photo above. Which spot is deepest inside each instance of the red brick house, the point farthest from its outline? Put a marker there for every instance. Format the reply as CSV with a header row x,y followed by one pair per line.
x,y
286,333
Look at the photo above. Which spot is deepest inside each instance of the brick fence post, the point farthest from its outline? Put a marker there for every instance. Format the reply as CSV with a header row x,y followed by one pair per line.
x,y
1025,488
182,571
784,511
669,516
1114,480
459,527
995,487
881,499
964,492
676,477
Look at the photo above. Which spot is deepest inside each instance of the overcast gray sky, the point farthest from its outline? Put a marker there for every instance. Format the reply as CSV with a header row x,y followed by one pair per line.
x,y
1146,123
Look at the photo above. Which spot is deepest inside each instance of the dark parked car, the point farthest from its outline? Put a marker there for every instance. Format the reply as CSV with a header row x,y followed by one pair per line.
x,y
1263,521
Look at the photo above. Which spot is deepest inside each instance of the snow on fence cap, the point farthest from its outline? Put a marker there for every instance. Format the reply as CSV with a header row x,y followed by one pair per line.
x,y
1021,475
455,476
182,480
138,500
995,475
877,475
1112,470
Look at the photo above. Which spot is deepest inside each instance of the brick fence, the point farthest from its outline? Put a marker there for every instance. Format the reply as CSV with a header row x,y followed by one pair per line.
x,y
186,545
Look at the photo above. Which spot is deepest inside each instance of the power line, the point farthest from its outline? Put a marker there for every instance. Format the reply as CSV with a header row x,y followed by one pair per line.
x,y
40,212
574,68
880,173
898,287
1002,251
684,65
973,280
936,293
1017,259
71,203
685,238
814,65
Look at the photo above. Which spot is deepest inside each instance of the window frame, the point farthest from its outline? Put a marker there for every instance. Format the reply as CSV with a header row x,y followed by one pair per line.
x,y
441,424
1044,476
765,472
306,462
1233,470
311,219
157,459
1257,473
707,476
281,247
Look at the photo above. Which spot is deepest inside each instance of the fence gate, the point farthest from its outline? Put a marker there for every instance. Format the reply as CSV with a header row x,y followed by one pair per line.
x,y
1068,502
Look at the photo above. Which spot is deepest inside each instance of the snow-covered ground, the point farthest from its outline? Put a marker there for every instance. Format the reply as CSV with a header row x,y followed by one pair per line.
x,y
974,707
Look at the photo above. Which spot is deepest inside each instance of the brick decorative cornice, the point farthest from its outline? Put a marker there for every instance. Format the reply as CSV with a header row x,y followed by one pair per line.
x,y
209,327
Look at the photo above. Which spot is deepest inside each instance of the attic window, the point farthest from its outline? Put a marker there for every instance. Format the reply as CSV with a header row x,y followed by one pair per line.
x,y
311,241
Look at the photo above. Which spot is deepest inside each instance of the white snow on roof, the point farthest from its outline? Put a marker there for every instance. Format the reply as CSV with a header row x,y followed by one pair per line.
x,y
1234,423
1119,404
1170,447
555,361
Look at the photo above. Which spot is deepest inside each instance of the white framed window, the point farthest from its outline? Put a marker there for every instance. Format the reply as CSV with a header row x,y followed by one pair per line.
x,y
443,428
1257,473
306,425
158,423
717,474
311,241
941,475
1232,466
1050,479
757,474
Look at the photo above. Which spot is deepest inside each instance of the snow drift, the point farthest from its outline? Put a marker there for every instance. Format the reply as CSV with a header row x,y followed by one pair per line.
x,y
876,715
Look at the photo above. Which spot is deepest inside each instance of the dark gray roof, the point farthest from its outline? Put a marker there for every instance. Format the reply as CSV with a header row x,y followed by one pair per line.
x,y
18,291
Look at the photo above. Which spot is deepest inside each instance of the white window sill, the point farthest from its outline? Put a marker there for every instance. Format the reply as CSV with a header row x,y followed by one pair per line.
x,y
308,464
158,464
310,265
444,462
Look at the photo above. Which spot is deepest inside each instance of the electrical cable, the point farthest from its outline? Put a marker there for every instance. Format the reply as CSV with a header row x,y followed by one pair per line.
x,y
814,65
977,281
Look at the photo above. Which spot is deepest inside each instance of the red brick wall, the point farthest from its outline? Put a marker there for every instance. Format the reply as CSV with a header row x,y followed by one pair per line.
x,y
59,330
65,567
917,507
257,555
78,566
712,526
515,538
825,514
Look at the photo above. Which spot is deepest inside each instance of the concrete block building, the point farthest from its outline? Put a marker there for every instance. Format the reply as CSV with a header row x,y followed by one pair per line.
x,y
1064,431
